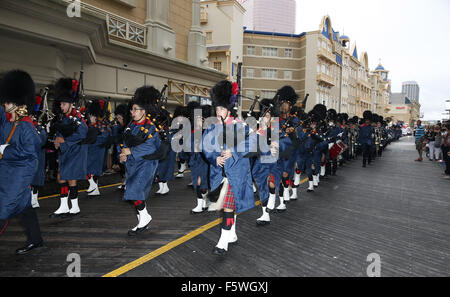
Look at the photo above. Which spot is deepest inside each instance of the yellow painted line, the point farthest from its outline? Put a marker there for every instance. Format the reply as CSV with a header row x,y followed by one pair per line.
x,y
81,191
169,246
102,187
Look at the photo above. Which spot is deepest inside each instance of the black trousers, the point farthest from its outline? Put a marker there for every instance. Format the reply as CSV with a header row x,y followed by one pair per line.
x,y
446,158
366,152
30,221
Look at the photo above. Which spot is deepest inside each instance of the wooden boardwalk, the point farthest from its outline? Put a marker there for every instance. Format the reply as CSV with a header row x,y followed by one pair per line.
x,y
396,208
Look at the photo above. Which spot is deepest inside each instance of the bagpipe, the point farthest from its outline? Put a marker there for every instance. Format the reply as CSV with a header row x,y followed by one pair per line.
x,y
46,117
21,112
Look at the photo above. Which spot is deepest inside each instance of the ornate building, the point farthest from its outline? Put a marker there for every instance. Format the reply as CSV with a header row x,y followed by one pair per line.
x,y
120,45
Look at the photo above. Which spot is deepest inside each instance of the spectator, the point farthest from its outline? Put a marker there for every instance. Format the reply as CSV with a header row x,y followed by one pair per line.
x,y
420,137
446,149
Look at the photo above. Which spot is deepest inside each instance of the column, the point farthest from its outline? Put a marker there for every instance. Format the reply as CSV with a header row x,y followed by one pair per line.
x,y
161,38
196,40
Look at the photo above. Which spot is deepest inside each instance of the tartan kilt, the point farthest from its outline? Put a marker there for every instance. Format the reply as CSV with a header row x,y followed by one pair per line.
x,y
229,199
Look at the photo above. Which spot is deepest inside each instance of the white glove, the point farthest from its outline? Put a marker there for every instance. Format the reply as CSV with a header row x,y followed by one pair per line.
x,y
2,148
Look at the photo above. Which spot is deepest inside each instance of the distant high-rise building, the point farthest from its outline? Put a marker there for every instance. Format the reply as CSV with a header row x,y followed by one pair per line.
x,y
411,89
269,15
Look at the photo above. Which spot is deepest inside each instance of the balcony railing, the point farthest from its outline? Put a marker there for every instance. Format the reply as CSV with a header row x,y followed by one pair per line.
x,y
125,30
326,79
323,53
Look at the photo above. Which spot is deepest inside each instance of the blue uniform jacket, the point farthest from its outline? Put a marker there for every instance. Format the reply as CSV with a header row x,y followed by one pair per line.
x,y
17,166
365,135
139,171
237,168
264,166
39,177
199,167
96,151
73,156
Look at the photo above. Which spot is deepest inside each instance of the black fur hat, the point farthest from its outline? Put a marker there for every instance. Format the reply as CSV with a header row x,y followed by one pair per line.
x,y
122,109
375,118
65,90
321,111
180,111
265,104
146,97
341,117
367,115
314,116
354,120
190,110
332,115
97,108
18,87
206,111
222,95
287,93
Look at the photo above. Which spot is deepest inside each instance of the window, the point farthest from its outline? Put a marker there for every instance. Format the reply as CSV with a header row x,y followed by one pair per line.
x,y
250,72
288,75
324,69
208,36
268,94
250,94
218,66
269,73
251,50
288,53
270,52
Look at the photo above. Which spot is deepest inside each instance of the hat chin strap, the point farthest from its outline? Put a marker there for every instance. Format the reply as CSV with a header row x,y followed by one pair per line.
x,y
13,107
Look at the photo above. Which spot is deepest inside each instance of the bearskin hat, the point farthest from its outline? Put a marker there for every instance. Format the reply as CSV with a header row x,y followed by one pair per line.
x,y
206,111
321,111
287,94
354,120
341,117
18,87
265,104
222,95
190,110
314,116
66,90
97,108
146,97
367,115
122,109
180,111
332,115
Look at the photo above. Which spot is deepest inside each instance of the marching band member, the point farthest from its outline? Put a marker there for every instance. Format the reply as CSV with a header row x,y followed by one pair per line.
x,y
165,172
96,112
39,178
265,169
365,137
122,113
229,170
19,148
288,98
197,161
141,140
72,157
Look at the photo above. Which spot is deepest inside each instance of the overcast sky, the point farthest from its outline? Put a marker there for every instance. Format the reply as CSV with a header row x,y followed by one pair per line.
x,y
411,37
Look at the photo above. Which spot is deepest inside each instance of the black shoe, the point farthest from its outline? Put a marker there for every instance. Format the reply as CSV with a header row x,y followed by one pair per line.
x,y
138,231
364,166
29,248
262,223
59,215
196,213
219,252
